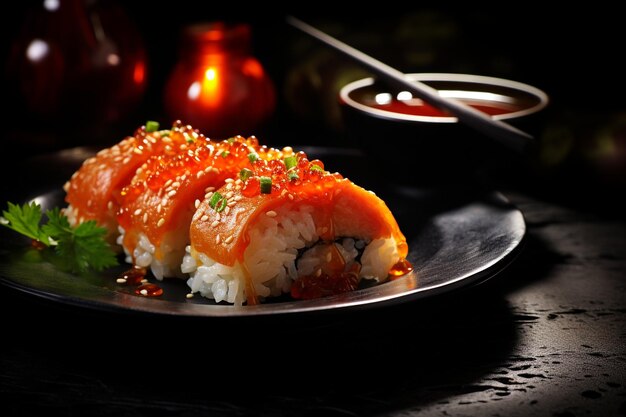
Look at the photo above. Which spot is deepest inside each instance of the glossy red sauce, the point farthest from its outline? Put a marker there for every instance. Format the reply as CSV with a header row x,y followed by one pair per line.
x,y
149,290
133,276
410,107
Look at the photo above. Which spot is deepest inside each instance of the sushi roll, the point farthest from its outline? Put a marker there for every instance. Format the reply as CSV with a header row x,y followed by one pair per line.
x,y
289,226
158,204
93,192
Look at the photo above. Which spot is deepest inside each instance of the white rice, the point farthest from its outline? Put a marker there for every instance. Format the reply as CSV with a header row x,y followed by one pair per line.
x,y
271,258
171,252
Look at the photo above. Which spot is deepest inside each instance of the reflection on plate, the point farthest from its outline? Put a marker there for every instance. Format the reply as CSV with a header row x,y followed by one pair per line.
x,y
454,242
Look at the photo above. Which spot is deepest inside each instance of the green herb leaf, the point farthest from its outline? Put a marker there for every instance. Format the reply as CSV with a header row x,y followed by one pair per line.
x,y
87,248
292,175
78,248
316,168
224,154
25,219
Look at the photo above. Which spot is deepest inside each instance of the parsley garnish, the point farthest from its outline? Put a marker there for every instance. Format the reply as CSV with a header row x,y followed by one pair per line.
x,y
78,248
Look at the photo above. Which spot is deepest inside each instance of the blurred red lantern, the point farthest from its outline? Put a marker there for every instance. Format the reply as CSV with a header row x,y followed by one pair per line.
x,y
217,85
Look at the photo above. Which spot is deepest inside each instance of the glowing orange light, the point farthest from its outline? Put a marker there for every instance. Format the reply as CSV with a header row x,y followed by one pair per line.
x,y
211,93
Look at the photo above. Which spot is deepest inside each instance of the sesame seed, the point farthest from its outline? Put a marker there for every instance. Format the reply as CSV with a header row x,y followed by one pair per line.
x,y
144,292
159,208
120,281
227,210
137,212
189,295
207,189
237,187
137,151
176,184
145,217
167,183
187,173
182,147
161,222
231,203
271,213
74,175
208,195
229,194
204,218
238,182
66,186
229,186
143,281
229,180
126,160
229,239
237,198
196,203
329,257
218,217
290,196
166,139
171,193
215,223
283,192
217,171
218,239
168,148
183,178
110,205
318,272
199,174
207,169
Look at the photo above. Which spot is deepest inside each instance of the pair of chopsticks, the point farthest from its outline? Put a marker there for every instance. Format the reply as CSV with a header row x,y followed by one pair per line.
x,y
504,133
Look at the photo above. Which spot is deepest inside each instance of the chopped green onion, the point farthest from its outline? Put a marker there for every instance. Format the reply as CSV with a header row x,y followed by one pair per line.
x,y
164,133
245,173
253,157
189,138
292,175
221,205
152,126
316,168
266,185
290,162
224,154
215,198
231,140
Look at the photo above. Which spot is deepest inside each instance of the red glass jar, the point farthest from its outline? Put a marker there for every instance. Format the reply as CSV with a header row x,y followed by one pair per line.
x,y
217,85
77,66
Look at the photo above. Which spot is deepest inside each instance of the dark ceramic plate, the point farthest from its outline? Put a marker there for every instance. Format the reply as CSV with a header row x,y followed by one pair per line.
x,y
455,238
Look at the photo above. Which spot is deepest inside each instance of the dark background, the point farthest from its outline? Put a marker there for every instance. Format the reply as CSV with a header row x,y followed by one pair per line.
x,y
572,54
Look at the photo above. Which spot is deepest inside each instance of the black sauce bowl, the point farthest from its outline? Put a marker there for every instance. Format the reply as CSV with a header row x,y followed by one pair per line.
x,y
419,144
